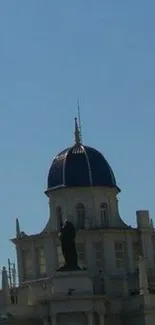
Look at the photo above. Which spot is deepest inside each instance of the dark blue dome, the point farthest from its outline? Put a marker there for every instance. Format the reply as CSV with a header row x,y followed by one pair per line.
x,y
80,166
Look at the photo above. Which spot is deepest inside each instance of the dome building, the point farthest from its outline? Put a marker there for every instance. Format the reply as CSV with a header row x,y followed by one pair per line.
x,y
81,175
80,166
104,275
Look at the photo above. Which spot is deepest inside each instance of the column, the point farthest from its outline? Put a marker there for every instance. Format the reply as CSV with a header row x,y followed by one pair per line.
x,y
130,264
19,263
147,247
34,260
143,280
90,317
54,319
101,319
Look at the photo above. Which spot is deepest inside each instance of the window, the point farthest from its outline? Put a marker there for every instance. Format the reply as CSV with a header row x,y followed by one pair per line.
x,y
80,215
81,254
98,254
120,255
27,264
41,261
60,257
104,215
59,217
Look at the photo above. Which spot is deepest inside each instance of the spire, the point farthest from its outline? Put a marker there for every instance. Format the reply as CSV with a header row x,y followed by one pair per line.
x,y
5,287
77,132
17,228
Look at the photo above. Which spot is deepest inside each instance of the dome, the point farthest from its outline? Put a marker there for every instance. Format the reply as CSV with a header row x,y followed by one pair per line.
x,y
80,166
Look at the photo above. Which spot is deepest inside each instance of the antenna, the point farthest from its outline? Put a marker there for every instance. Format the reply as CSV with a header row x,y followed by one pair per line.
x,y
79,120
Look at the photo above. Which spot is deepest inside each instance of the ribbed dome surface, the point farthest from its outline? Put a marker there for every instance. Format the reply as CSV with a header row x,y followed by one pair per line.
x,y
80,166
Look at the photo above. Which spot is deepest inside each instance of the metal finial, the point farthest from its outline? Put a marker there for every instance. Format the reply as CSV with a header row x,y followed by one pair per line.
x,y
79,120
77,132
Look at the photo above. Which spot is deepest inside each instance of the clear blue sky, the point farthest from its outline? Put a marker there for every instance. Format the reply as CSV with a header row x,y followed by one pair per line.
x,y
52,52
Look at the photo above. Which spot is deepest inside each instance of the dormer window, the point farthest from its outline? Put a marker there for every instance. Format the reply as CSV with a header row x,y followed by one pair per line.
x,y
80,215
104,215
59,217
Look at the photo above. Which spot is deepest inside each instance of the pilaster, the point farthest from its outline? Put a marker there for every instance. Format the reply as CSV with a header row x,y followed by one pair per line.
x,y
130,253
90,318
19,262
101,319
34,260
54,319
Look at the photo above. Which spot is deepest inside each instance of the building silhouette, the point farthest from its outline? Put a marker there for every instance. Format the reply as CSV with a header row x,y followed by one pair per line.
x,y
116,279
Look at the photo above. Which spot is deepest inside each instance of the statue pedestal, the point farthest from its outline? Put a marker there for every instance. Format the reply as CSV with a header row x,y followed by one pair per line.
x,y
72,282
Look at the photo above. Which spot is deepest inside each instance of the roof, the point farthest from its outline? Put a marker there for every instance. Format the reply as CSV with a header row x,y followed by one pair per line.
x,y
80,166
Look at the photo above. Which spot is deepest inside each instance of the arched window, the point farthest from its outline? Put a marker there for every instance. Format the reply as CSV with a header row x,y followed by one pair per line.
x,y
80,216
104,214
59,217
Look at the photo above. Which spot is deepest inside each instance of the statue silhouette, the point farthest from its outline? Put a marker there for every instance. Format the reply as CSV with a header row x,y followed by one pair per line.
x,y
67,237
